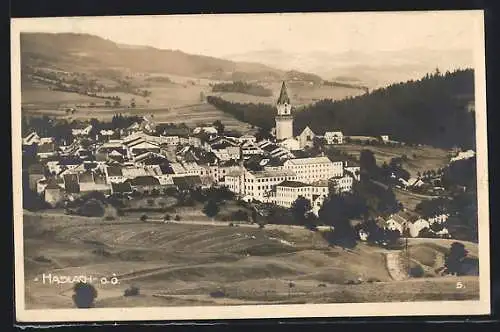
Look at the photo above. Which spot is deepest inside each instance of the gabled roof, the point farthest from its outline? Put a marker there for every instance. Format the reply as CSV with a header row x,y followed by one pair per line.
x,y
186,182
144,181
52,184
123,187
283,98
71,183
293,184
36,169
114,171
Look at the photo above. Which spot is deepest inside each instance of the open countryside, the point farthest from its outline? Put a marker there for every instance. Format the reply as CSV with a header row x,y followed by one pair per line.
x,y
196,181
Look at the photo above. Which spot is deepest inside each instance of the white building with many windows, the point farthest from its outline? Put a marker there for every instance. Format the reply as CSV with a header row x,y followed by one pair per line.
x,y
309,170
257,185
287,192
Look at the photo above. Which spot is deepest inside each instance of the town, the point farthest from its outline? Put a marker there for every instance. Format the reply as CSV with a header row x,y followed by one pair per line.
x,y
136,157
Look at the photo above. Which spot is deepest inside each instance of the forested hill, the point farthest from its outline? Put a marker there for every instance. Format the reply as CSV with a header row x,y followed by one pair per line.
x,y
433,110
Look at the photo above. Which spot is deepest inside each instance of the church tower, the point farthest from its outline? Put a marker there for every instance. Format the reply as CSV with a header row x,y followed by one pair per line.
x,y
284,118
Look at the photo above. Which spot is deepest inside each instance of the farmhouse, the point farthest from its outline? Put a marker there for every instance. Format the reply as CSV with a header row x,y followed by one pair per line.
x,y
306,138
53,193
334,137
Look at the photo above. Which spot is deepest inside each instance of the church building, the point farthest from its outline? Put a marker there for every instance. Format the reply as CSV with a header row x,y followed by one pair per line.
x,y
284,118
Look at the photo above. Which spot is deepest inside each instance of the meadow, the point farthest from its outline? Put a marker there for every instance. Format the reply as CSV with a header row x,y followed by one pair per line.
x,y
419,158
186,264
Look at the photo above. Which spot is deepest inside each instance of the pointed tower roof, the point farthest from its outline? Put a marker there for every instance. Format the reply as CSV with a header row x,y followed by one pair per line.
x,y
283,98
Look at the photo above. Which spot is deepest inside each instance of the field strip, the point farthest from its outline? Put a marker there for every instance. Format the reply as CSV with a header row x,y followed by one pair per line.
x,y
394,266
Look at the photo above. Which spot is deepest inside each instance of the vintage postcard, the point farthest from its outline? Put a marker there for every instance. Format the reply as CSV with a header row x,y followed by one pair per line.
x,y
200,167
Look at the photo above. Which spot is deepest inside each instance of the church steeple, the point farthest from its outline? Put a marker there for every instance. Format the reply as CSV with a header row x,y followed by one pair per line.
x,y
283,98
284,117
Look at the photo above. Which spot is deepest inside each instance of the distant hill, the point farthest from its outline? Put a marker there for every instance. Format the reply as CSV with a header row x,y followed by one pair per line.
x,y
434,110
371,69
84,52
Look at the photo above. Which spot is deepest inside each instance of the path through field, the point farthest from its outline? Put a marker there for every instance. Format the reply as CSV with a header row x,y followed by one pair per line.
x,y
395,266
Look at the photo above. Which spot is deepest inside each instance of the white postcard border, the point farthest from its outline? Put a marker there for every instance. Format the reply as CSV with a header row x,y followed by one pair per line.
x,y
428,308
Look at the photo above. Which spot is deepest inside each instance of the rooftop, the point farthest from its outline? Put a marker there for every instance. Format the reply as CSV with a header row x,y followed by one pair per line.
x,y
309,161
293,184
272,173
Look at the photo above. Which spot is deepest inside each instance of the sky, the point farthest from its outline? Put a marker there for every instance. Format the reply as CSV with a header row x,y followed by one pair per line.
x,y
221,35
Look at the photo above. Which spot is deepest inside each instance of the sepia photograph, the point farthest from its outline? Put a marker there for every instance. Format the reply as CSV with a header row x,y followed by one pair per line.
x,y
233,166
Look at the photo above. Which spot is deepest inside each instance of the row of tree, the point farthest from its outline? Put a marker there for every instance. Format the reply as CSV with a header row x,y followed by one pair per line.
x,y
433,110
242,87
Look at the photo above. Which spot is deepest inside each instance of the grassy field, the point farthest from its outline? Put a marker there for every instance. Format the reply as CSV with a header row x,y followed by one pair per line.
x,y
179,101
420,158
181,264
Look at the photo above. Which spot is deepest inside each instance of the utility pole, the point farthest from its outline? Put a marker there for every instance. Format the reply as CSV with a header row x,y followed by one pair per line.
x,y
407,231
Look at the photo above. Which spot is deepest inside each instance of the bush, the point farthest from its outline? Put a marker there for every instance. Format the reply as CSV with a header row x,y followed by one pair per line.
x,y
166,217
322,285
218,293
84,295
177,218
231,224
42,259
109,218
101,252
144,217
261,226
131,291
91,208
372,280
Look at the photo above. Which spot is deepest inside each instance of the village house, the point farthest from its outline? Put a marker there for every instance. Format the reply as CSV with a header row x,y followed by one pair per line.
x,y
384,138
353,169
334,137
313,169
85,131
291,144
31,139
46,150
53,192
342,184
36,172
187,182
463,155
438,218
306,138
406,220
247,138
249,148
145,184
123,188
114,174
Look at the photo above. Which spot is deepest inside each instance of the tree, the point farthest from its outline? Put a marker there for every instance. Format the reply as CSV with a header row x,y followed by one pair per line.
x,y
368,164
299,209
455,257
219,126
84,295
107,103
211,209
337,211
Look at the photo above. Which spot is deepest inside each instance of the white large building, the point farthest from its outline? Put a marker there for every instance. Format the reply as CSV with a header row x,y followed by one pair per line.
x,y
310,170
257,185
287,192
284,118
